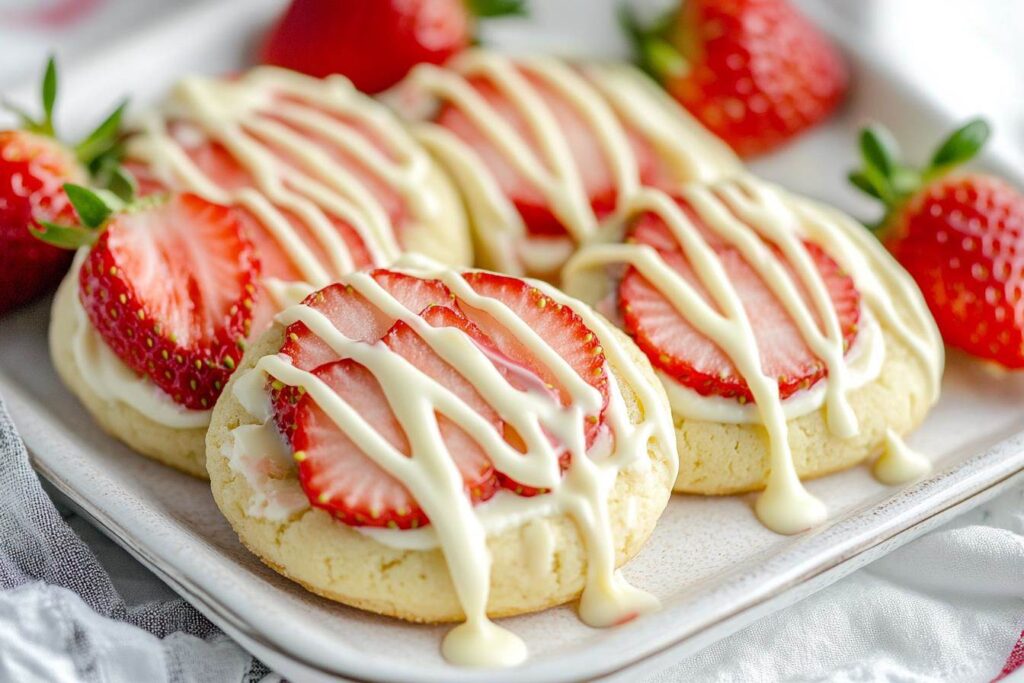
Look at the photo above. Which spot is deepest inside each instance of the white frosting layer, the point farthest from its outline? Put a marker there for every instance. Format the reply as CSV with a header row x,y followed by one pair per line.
x,y
607,98
750,215
430,474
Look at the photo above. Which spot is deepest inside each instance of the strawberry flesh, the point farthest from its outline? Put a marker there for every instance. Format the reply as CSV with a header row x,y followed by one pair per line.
x,y
338,477
685,354
562,329
356,318
169,287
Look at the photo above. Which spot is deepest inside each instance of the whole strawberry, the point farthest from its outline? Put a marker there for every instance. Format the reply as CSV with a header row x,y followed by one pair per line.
x,y
755,72
960,235
34,166
375,42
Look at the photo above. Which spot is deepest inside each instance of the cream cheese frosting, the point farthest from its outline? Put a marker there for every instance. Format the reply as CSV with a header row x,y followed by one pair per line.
x,y
748,214
431,476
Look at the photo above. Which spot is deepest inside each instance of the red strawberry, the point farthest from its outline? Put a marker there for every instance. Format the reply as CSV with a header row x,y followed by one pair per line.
x,y
339,478
561,328
375,42
168,285
755,72
353,316
34,166
678,349
959,235
594,169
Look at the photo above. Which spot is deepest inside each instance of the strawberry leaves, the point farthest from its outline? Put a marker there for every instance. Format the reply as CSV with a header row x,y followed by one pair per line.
x,y
49,96
101,143
93,208
654,52
963,145
489,9
886,178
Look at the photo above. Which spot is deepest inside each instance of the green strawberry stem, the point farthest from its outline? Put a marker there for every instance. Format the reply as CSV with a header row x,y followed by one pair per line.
x,y
653,50
490,9
886,178
93,207
101,142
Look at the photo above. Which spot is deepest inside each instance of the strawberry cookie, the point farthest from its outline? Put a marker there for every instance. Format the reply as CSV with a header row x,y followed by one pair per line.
x,y
544,150
254,191
443,446
790,344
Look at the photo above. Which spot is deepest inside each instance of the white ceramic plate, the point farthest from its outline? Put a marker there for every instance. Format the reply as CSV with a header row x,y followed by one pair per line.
x,y
713,566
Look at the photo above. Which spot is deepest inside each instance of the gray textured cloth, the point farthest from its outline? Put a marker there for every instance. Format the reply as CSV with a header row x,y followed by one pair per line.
x,y
63,619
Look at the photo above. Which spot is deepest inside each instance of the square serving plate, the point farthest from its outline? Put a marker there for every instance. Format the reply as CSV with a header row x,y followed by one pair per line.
x,y
714,567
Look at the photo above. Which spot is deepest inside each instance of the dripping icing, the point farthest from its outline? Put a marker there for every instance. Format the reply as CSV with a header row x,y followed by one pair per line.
x,y
899,463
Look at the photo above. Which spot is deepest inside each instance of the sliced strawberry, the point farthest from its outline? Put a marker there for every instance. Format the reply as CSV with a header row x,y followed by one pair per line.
x,y
169,285
338,477
561,328
469,457
335,474
584,145
385,192
677,348
356,318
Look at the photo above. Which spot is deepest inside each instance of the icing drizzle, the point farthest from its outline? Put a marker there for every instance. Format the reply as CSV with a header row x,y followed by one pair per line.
x,y
606,98
748,214
431,475
317,122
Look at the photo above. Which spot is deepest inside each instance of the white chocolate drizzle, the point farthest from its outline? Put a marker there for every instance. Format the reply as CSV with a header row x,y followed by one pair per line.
x,y
607,99
749,215
268,110
431,476
899,463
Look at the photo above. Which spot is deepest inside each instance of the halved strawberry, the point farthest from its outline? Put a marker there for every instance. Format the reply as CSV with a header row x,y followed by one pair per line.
x,y
677,348
168,284
584,144
560,327
355,317
338,477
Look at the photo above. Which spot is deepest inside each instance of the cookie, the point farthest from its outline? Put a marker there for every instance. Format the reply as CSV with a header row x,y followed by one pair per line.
x,y
500,452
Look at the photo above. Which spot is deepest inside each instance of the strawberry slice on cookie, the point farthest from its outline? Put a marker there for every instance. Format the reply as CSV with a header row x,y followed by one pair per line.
x,y
678,349
336,475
